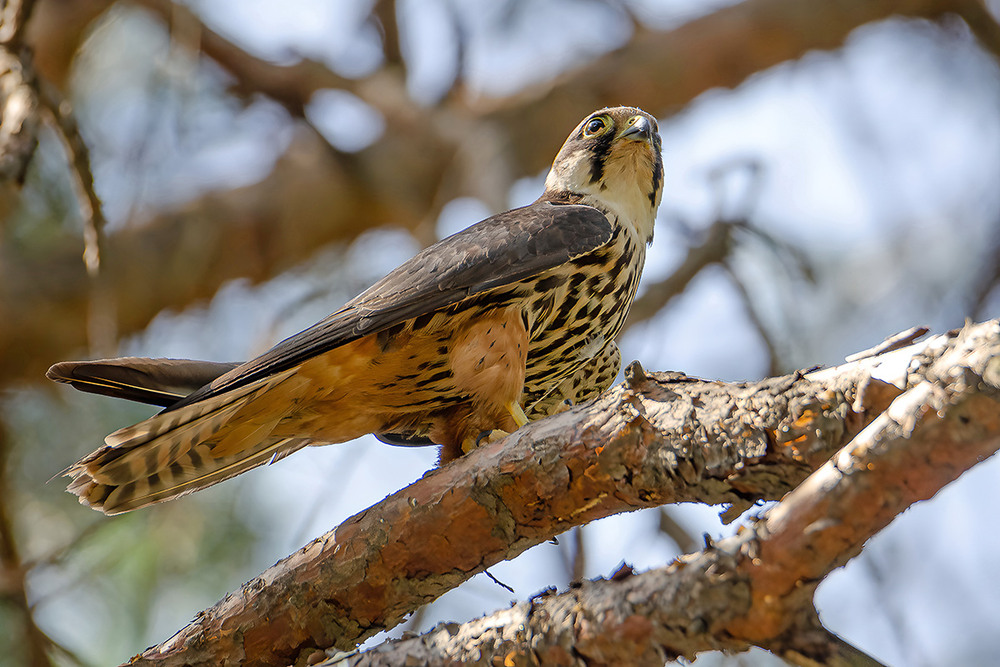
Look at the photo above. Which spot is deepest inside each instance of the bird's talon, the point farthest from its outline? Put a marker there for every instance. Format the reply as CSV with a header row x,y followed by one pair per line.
x,y
483,438
562,407
487,437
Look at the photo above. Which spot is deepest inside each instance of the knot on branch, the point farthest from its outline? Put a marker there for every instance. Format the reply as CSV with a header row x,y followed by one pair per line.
x,y
813,425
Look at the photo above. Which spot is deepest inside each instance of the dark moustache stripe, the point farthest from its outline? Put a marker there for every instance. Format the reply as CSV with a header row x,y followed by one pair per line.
x,y
599,155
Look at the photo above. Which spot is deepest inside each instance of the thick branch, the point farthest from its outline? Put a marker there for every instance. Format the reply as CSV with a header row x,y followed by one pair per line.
x,y
983,24
290,85
624,452
386,15
757,587
718,50
183,256
13,20
56,32
652,440
944,424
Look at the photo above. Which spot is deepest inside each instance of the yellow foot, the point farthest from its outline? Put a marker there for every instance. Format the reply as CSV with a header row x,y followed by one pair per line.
x,y
483,438
473,441
517,413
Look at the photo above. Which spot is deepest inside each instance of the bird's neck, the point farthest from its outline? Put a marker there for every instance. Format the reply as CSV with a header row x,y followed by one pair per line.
x,y
635,214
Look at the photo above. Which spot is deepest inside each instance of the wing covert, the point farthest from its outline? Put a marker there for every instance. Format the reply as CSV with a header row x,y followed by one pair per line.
x,y
497,251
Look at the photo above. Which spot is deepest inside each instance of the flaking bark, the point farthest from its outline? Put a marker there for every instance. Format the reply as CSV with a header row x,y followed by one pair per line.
x,y
757,587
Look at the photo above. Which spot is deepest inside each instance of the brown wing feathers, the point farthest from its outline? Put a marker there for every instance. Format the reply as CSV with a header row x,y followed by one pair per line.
x,y
214,426
498,251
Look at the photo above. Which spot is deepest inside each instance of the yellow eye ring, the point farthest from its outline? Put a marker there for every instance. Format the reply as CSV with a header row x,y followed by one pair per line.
x,y
595,126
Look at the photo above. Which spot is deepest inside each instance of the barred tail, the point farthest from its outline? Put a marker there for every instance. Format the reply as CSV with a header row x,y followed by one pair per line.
x,y
181,451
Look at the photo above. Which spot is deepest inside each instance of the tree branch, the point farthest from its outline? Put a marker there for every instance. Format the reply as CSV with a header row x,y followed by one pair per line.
x,y
292,86
18,112
982,23
385,14
102,331
13,20
654,439
182,256
757,587
718,50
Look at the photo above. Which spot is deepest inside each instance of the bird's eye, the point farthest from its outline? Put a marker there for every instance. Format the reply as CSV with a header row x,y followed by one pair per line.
x,y
594,127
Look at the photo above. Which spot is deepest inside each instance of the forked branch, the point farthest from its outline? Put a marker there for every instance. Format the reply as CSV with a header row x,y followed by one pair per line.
x,y
898,427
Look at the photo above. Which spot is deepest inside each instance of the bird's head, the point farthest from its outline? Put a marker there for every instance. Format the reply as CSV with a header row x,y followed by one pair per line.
x,y
613,161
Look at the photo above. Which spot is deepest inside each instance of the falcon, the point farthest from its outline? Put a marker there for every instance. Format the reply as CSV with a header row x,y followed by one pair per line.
x,y
504,322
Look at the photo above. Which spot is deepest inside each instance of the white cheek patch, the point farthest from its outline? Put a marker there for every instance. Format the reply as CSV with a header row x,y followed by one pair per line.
x,y
570,172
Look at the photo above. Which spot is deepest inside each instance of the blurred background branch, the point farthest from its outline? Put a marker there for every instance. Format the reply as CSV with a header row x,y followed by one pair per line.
x,y
394,179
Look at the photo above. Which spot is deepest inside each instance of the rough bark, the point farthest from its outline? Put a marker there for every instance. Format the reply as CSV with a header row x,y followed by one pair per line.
x,y
756,588
899,426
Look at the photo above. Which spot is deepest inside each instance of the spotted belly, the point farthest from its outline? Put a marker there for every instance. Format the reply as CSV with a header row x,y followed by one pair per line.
x,y
577,327
570,316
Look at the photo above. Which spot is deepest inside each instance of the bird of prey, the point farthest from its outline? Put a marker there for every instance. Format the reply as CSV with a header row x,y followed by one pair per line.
x,y
503,322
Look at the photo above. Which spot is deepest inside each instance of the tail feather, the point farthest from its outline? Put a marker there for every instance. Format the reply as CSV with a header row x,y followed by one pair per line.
x,y
139,452
196,469
205,417
180,451
180,478
215,411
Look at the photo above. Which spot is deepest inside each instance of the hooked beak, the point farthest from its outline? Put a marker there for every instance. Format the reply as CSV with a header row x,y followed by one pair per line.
x,y
640,130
